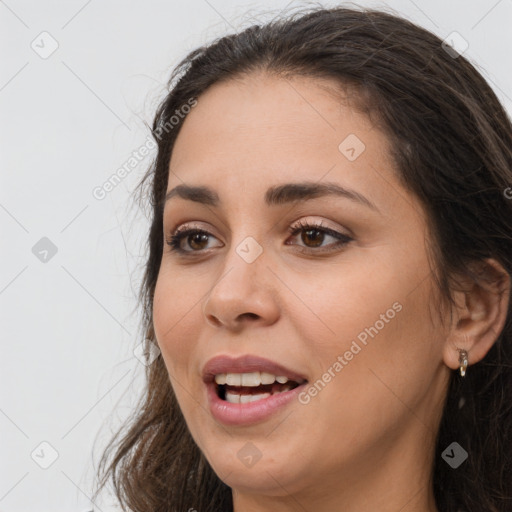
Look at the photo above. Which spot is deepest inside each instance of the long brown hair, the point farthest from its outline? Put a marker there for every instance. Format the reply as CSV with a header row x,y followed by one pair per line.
x,y
452,143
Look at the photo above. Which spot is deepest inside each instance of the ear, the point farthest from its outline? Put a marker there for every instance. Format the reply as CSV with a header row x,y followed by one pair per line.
x,y
480,313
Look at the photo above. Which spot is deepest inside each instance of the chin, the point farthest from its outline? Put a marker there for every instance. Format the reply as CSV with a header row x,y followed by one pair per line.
x,y
247,469
258,480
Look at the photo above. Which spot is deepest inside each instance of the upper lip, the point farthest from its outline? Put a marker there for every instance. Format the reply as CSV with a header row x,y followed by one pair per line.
x,y
246,364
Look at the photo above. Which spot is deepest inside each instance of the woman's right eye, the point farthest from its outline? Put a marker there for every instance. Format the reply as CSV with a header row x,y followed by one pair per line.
x,y
194,236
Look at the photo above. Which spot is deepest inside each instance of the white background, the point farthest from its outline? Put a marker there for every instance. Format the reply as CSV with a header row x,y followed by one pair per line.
x,y
69,121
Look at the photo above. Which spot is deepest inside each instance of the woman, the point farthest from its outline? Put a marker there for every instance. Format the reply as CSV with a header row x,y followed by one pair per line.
x,y
365,364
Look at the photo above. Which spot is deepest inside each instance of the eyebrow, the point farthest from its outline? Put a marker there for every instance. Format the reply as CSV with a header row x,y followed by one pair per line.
x,y
277,195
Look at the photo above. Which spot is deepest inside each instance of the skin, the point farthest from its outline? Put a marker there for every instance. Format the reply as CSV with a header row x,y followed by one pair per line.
x,y
365,441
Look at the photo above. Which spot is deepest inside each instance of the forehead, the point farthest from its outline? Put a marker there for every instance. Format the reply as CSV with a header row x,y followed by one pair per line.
x,y
272,119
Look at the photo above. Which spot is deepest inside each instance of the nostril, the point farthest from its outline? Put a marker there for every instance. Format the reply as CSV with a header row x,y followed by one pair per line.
x,y
249,315
214,320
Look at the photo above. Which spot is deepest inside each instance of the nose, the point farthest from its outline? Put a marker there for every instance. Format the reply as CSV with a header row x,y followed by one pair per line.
x,y
245,293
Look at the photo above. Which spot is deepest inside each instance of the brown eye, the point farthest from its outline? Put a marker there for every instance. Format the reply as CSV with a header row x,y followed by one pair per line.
x,y
197,240
315,236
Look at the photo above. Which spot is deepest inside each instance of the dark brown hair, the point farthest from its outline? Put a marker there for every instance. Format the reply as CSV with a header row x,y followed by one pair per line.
x,y
451,140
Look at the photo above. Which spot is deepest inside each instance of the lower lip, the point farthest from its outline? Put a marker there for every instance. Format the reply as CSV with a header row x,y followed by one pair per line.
x,y
252,412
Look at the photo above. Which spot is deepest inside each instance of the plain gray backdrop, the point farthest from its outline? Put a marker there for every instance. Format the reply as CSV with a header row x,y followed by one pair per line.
x,y
78,81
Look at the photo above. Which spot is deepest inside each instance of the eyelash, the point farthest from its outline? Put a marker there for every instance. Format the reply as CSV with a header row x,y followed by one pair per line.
x,y
174,241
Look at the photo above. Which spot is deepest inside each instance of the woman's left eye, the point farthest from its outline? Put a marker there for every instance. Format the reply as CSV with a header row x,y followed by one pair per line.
x,y
313,236
316,234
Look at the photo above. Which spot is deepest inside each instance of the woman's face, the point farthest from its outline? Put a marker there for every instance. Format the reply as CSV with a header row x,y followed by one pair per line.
x,y
349,313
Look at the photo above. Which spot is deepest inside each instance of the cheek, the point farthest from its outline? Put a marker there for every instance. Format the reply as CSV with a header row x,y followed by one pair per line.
x,y
175,312
175,315
375,317
383,366
338,304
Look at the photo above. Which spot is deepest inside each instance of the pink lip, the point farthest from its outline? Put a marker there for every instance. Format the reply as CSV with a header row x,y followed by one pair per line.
x,y
252,412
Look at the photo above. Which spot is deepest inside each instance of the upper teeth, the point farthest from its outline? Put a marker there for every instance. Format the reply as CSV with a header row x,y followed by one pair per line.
x,y
252,379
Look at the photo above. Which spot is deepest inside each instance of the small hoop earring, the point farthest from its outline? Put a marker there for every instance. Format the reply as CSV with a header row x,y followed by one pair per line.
x,y
463,362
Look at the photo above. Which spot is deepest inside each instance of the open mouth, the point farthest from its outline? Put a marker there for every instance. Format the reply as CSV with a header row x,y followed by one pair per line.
x,y
242,388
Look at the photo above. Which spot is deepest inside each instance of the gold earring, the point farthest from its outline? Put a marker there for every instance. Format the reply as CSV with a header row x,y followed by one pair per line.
x,y
463,361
